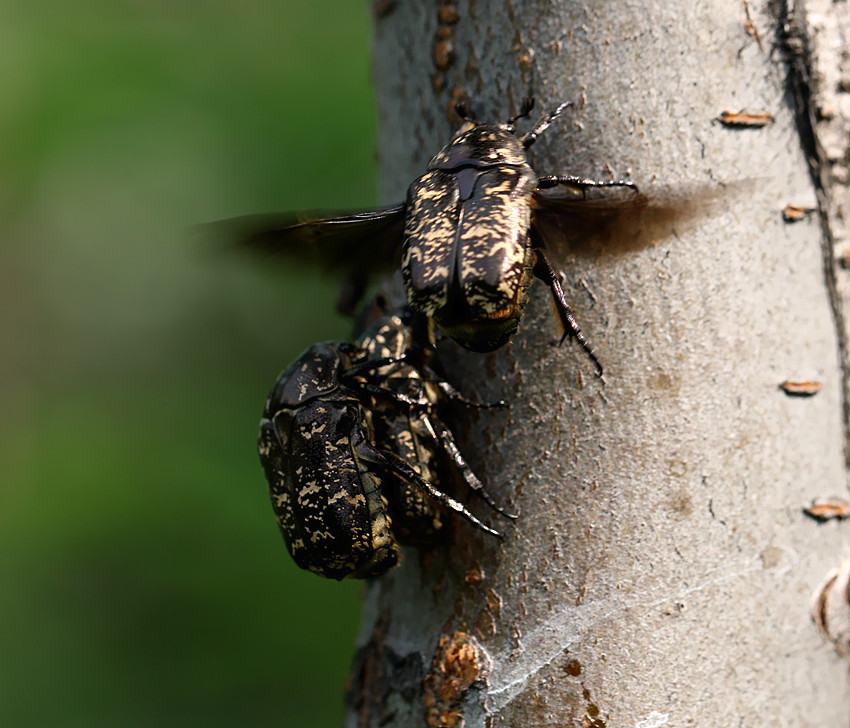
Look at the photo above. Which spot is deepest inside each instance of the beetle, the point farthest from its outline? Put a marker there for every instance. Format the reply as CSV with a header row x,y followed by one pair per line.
x,y
314,446
405,413
472,234
354,453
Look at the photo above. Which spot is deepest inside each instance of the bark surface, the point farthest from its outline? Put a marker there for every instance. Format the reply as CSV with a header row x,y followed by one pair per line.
x,y
661,570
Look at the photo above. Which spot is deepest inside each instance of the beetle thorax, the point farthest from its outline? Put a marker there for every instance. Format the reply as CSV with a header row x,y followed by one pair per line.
x,y
484,145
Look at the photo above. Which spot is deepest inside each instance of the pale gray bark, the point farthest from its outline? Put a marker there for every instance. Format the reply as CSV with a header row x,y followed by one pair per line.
x,y
661,570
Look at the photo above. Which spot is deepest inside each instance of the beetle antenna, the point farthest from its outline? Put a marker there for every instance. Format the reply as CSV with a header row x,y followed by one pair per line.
x,y
462,110
543,124
524,110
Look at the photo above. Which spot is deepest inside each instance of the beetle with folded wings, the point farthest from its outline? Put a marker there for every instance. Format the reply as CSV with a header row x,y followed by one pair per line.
x,y
356,454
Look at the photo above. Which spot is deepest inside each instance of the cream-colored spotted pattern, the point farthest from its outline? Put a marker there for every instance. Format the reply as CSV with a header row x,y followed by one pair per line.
x,y
493,251
490,144
356,457
474,251
328,503
466,257
327,500
430,228
415,517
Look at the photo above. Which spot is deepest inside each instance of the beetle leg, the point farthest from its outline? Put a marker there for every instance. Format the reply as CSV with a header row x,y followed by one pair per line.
x,y
401,468
469,477
528,139
544,271
582,183
386,393
371,365
447,389
451,393
455,396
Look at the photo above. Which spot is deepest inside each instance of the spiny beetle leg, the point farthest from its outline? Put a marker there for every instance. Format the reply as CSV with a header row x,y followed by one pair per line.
x,y
386,393
583,183
544,271
445,437
372,365
455,396
401,468
528,139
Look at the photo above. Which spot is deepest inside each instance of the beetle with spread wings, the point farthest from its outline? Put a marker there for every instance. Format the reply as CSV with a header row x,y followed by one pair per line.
x,y
471,235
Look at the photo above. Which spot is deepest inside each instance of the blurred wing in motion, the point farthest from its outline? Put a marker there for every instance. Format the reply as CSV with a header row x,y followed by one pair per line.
x,y
616,220
359,244
328,239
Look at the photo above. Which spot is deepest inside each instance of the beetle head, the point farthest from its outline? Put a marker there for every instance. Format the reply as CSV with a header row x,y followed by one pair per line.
x,y
481,145
469,122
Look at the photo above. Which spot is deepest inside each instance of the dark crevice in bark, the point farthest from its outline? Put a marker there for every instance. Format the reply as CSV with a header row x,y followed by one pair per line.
x,y
795,40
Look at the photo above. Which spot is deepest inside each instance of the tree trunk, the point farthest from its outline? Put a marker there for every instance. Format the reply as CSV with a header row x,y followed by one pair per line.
x,y
661,569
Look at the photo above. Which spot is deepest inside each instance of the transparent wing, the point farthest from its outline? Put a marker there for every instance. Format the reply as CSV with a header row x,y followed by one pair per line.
x,y
356,241
614,220
359,244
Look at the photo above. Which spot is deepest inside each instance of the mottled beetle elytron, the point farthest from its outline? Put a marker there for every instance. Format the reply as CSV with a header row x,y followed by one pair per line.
x,y
473,233
354,453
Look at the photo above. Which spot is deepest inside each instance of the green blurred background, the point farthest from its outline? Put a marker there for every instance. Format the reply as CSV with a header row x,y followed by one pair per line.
x,y
142,579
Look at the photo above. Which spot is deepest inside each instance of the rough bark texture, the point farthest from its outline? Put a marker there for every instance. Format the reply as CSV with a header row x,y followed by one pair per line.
x,y
818,33
661,569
